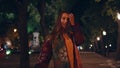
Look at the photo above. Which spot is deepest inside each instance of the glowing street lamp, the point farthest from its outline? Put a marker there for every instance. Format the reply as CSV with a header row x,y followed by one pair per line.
x,y
118,16
91,45
110,45
104,33
81,48
118,39
98,38
15,30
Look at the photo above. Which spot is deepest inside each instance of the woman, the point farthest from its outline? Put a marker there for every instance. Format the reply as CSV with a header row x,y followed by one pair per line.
x,y
60,45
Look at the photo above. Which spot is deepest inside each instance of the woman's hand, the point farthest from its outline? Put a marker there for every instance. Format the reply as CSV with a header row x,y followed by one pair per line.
x,y
71,18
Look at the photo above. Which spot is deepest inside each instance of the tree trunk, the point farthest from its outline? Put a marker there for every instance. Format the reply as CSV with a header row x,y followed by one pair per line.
x,y
41,9
118,43
22,29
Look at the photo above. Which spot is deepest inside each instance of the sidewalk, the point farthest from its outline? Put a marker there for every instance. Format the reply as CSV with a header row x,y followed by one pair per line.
x,y
94,60
89,60
112,57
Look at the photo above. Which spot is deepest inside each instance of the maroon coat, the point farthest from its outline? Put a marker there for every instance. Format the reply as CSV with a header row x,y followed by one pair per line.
x,y
46,52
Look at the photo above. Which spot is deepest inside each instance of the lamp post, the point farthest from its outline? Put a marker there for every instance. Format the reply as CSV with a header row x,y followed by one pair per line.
x,y
102,42
118,38
97,44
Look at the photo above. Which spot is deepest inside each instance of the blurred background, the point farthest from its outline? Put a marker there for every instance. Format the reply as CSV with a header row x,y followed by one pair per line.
x,y
24,24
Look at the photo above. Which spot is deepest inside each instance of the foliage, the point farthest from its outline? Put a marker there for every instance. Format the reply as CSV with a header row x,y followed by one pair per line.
x,y
98,18
100,15
33,18
111,7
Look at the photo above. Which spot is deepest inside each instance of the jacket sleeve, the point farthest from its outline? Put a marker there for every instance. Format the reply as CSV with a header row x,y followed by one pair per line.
x,y
45,55
78,36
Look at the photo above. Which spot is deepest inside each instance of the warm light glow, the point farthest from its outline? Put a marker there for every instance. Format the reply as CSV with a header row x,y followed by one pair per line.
x,y
8,43
91,45
15,30
98,38
118,16
104,33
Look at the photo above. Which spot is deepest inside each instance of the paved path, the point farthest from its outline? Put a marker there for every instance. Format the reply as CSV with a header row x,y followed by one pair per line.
x,y
93,60
89,60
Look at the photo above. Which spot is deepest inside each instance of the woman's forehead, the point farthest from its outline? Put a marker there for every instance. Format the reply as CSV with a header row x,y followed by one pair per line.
x,y
65,15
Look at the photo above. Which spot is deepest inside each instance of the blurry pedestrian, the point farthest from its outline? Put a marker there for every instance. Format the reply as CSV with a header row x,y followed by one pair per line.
x,y
60,46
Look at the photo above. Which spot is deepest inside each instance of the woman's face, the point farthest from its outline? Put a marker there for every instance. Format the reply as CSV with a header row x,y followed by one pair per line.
x,y
64,19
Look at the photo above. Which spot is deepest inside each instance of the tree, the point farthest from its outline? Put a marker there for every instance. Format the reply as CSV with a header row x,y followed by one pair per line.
x,y
22,29
111,8
33,19
95,20
18,10
41,8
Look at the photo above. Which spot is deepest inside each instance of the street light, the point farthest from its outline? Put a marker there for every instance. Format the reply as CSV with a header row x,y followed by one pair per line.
x,y
118,38
118,16
110,45
102,42
104,33
98,38
15,30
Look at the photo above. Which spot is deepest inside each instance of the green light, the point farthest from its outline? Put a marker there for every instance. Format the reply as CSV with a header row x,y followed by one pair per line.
x,y
30,52
8,52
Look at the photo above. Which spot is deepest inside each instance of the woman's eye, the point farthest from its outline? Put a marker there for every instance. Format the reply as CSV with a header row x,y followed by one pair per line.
x,y
68,19
63,18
